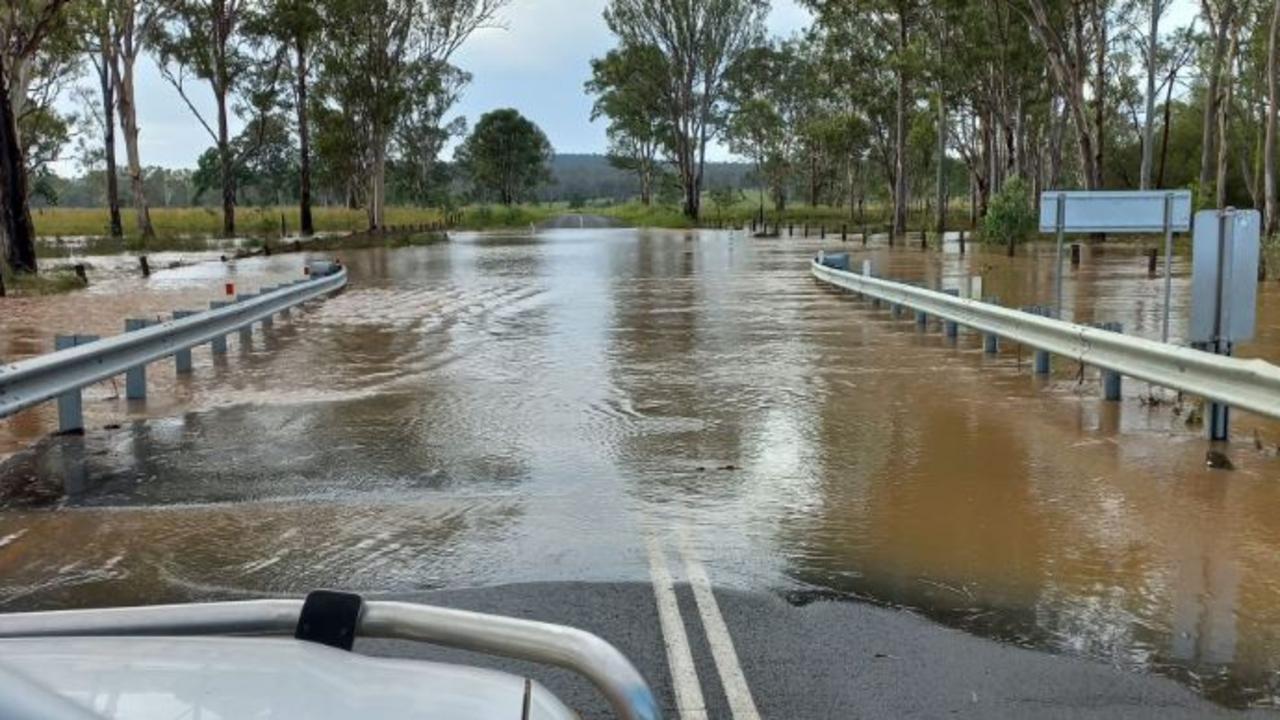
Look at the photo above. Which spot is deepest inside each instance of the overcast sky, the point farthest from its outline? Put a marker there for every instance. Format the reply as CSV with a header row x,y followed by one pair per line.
x,y
537,64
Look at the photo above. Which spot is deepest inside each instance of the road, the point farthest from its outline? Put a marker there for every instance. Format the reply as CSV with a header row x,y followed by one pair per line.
x,y
814,658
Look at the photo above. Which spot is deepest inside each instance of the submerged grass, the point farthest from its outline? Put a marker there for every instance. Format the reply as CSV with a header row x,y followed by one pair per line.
x,y
54,281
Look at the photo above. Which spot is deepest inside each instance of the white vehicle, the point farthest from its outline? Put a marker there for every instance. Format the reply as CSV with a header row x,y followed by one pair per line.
x,y
210,661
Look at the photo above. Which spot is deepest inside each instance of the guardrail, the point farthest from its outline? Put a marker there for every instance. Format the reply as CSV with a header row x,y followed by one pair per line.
x,y
1249,384
82,360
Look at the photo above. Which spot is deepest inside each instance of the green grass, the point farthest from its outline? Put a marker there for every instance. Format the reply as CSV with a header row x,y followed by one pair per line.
x,y
190,228
50,282
191,222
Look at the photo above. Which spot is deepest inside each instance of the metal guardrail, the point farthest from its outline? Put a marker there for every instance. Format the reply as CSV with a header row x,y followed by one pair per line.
x,y
63,373
576,650
1249,384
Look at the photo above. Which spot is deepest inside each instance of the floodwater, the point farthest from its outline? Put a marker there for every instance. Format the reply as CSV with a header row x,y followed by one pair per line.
x,y
506,408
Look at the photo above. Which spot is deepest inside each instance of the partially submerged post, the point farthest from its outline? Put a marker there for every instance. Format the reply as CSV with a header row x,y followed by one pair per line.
x,y
1224,291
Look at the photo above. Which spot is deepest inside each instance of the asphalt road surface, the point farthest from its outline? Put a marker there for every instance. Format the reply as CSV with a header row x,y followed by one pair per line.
x,y
821,659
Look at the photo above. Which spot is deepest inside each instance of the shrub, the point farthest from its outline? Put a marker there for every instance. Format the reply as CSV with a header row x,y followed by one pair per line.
x,y
1010,219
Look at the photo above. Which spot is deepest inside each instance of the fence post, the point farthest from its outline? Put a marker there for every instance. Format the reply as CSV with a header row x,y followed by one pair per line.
x,y
135,378
182,358
844,232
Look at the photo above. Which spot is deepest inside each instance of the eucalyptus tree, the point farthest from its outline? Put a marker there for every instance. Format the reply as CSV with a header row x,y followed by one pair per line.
x,y
131,23
699,42
891,25
208,40
372,55
293,28
627,83
27,66
774,87
422,131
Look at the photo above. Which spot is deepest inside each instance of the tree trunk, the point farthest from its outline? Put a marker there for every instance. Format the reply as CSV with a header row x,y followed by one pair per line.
x,y
15,214
1164,132
1148,123
1100,98
1211,102
941,224
122,76
899,225
306,226
1224,120
1269,150
227,163
378,183
109,135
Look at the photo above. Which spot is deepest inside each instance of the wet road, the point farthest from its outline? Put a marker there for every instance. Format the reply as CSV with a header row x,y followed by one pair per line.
x,y
509,409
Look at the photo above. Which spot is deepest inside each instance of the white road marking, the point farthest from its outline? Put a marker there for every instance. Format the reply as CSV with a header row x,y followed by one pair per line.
x,y
684,677
734,682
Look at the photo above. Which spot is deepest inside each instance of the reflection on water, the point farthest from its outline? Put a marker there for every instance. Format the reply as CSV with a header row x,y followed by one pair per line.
x,y
511,407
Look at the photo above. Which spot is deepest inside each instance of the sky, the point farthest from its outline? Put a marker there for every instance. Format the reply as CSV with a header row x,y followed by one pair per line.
x,y
536,62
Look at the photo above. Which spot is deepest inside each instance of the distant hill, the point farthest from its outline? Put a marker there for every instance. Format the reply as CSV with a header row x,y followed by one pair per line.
x,y
591,177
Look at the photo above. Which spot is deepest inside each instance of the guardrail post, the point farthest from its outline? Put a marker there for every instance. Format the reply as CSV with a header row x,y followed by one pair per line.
x,y
990,341
1111,378
219,344
951,327
135,379
246,331
182,358
267,321
70,404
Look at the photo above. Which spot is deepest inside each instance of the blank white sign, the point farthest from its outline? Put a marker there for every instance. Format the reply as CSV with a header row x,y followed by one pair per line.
x,y
1120,211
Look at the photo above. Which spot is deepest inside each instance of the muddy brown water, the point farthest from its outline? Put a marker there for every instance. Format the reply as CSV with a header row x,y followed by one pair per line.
x,y
518,407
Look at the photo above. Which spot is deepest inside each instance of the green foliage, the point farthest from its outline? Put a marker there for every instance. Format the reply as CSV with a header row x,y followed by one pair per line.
x,y
1010,219
506,157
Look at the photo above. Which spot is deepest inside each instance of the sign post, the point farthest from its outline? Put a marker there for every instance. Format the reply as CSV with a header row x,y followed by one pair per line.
x,y
1224,290
1123,211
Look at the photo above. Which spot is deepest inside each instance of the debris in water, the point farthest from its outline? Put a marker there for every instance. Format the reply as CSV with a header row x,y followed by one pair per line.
x,y
1218,461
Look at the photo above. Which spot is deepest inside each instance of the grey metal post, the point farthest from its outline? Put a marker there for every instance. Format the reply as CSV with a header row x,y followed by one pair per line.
x,y
1111,378
1218,416
1042,357
246,332
70,404
991,342
1042,362
1057,267
135,379
952,327
182,358
1168,264
219,344
922,318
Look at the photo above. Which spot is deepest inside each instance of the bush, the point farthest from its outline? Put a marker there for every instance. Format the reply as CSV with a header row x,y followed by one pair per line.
x,y
1010,219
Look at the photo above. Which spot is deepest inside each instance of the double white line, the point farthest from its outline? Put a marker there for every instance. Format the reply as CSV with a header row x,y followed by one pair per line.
x,y
684,675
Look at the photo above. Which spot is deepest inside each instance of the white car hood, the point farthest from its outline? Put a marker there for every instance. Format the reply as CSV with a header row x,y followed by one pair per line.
x,y
221,678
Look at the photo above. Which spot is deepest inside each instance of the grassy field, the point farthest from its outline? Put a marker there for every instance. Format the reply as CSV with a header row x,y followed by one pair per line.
x,y
204,222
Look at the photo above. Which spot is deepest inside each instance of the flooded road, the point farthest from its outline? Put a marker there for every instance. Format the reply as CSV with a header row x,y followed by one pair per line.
x,y
520,408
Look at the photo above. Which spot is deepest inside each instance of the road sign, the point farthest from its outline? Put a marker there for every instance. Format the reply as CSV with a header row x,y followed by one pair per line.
x,y
1123,211
1224,276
